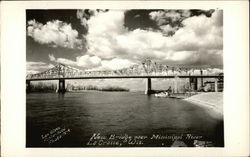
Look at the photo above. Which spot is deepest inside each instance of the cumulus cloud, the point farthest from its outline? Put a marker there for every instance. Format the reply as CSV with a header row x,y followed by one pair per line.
x,y
112,46
84,15
169,20
115,64
84,61
200,33
55,33
168,29
198,41
36,67
88,61
80,14
94,62
103,29
166,16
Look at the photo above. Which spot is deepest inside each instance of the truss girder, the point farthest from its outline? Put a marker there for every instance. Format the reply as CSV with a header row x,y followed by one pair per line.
x,y
146,68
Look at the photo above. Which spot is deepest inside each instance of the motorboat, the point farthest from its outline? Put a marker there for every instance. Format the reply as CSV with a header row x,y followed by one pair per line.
x,y
162,94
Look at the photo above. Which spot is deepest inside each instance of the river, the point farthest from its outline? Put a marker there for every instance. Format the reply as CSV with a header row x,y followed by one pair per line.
x,y
117,119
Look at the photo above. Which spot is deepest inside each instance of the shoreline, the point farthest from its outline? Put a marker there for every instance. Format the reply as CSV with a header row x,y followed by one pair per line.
x,y
213,102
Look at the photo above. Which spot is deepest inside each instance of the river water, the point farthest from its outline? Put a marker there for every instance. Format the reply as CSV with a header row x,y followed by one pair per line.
x,y
117,119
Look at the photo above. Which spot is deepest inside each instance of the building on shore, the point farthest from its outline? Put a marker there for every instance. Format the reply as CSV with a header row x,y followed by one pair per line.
x,y
210,86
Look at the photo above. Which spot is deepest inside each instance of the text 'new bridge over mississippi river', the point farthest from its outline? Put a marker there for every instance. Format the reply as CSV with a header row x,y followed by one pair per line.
x,y
147,69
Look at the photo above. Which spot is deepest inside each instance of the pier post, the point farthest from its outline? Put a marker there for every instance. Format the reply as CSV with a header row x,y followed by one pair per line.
x,y
28,86
148,90
215,85
61,86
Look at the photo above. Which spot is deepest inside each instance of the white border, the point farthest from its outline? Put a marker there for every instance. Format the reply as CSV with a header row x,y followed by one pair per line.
x,y
236,68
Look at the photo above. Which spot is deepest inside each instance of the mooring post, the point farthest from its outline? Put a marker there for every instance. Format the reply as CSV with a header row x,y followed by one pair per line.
x,y
28,86
61,86
148,90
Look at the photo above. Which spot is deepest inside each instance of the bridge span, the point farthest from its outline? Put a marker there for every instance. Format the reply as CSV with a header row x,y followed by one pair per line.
x,y
147,70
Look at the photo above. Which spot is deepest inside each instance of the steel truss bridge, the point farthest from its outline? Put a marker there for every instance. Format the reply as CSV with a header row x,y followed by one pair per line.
x,y
147,69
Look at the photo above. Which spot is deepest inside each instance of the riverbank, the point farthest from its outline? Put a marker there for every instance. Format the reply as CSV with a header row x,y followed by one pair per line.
x,y
213,101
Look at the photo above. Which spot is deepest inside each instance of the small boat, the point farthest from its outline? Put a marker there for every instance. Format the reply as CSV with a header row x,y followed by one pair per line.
x,y
162,94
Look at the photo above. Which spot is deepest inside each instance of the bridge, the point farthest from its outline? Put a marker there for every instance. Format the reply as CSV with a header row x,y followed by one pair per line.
x,y
147,69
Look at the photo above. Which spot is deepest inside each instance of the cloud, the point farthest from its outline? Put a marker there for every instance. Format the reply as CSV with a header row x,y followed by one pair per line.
x,y
84,61
83,16
169,21
88,61
94,62
103,29
55,33
115,64
162,17
200,33
168,29
36,67
112,46
199,40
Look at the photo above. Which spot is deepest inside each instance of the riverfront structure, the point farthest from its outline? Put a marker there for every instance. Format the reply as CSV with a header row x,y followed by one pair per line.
x,y
147,69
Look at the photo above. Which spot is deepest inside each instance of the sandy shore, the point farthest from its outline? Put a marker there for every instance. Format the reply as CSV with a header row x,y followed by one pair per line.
x,y
213,102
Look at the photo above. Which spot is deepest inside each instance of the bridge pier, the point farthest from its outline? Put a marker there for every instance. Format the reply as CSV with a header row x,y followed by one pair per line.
x,y
148,90
175,84
61,86
215,85
201,79
193,83
28,86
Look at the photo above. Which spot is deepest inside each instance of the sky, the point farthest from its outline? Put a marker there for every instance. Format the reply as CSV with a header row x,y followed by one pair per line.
x,y
115,39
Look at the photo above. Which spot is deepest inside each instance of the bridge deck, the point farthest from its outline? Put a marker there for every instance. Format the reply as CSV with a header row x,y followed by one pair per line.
x,y
125,77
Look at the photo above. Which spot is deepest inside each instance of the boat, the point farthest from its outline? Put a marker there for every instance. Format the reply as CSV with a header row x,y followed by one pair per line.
x,y
162,94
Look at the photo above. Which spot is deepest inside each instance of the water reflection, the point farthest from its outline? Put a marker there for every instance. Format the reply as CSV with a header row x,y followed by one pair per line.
x,y
61,96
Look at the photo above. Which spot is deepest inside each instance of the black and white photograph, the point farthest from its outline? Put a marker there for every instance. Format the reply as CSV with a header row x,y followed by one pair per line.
x,y
124,78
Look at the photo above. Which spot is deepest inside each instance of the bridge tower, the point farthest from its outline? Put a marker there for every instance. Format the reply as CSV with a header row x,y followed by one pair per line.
x,y
148,90
61,86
